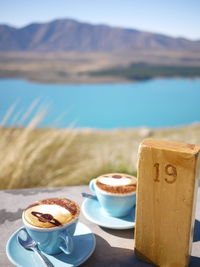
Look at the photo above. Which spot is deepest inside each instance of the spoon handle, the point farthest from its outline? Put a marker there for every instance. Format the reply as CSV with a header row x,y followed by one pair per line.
x,y
88,195
46,262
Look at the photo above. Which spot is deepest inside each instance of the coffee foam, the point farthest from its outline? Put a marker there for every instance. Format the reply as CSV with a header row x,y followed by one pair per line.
x,y
50,213
116,183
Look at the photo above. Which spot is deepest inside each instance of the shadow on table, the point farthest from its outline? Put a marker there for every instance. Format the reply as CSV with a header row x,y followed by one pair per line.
x,y
128,234
9,215
194,261
196,236
106,255
125,257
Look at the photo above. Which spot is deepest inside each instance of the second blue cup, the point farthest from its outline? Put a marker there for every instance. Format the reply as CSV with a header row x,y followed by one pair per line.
x,y
115,205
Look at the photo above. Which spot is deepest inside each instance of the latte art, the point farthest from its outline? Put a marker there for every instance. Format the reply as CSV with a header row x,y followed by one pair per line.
x,y
116,183
51,212
45,217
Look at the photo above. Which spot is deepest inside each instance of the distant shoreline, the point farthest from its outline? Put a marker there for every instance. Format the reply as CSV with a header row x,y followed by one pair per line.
x,y
91,68
57,80
100,80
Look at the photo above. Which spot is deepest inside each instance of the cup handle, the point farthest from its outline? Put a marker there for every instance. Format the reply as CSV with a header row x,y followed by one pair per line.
x,y
68,246
91,186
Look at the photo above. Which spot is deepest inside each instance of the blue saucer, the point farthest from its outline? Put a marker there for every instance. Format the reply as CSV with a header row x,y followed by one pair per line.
x,y
84,245
93,212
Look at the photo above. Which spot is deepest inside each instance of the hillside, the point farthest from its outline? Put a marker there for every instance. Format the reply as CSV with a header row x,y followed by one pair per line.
x,y
71,35
67,51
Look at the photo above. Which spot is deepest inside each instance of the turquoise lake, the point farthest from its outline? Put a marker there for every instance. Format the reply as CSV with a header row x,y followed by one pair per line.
x,y
152,103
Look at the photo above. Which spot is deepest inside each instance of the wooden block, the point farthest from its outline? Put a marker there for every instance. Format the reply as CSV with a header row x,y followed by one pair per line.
x,y
166,198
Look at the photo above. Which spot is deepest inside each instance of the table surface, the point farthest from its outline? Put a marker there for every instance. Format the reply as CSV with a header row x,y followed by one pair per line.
x,y
113,247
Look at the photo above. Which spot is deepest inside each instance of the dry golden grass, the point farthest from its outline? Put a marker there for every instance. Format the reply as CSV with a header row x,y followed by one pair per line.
x,y
32,157
50,157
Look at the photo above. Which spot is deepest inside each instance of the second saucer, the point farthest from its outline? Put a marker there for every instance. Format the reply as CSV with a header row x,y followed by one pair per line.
x,y
93,212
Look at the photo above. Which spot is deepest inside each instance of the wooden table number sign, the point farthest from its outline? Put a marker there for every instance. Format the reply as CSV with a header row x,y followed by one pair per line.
x,y
166,198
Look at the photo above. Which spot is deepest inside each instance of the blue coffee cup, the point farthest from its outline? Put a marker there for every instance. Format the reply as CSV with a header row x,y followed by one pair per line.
x,y
112,204
53,240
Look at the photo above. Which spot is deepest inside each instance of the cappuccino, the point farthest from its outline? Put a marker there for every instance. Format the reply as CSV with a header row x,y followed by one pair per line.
x,y
51,212
117,183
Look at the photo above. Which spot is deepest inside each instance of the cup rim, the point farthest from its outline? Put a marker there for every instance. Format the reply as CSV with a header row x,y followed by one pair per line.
x,y
113,194
43,229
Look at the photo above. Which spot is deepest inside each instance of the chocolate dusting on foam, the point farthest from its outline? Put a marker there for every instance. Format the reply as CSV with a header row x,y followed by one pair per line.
x,y
118,189
116,176
66,203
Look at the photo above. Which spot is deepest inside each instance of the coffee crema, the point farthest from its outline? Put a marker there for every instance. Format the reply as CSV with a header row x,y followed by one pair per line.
x,y
117,183
51,212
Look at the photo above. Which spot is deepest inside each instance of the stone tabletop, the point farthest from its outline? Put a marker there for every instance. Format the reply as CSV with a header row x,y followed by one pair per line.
x,y
113,247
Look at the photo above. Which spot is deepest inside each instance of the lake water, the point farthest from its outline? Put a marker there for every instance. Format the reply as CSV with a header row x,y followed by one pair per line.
x,y
153,103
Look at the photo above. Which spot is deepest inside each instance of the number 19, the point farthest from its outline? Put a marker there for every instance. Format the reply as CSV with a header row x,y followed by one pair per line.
x,y
170,170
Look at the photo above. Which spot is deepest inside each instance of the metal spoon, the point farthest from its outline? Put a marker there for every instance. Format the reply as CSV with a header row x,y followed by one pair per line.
x,y
88,195
29,243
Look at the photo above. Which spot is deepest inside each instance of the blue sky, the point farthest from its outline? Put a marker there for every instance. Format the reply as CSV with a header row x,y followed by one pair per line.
x,y
172,17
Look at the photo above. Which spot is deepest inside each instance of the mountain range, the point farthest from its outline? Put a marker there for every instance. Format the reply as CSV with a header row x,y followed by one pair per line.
x,y
66,35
